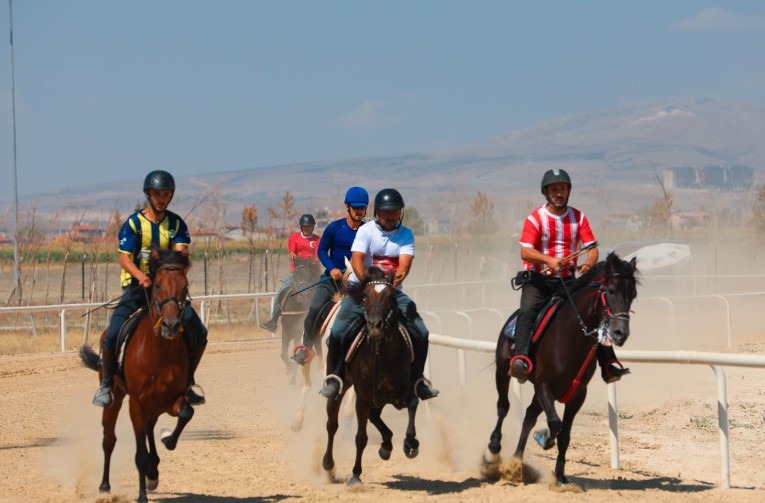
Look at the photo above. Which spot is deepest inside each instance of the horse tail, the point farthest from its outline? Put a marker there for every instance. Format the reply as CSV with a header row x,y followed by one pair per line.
x,y
90,358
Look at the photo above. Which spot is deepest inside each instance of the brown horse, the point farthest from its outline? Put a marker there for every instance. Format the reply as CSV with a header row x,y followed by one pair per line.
x,y
598,307
155,371
378,371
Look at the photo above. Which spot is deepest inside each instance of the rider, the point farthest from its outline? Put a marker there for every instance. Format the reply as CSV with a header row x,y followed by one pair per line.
x,y
550,233
153,226
302,244
334,250
386,244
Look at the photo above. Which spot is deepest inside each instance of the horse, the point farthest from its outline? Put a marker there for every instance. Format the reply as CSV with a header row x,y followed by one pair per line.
x,y
598,308
378,369
295,307
155,371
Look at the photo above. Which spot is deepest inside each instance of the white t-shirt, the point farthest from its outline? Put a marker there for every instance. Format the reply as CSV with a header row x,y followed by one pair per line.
x,y
382,249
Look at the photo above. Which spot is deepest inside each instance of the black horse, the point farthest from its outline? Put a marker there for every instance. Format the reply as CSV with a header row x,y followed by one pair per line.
x,y
564,358
378,371
296,306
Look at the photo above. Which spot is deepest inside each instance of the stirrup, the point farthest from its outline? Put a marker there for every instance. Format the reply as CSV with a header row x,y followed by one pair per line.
x,y
611,373
520,373
325,392
302,355
101,396
195,395
428,385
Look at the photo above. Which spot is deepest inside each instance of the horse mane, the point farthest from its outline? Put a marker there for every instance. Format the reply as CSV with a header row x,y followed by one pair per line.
x,y
356,290
613,265
158,258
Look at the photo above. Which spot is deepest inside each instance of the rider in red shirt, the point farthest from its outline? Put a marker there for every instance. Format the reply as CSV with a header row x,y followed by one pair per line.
x,y
304,245
550,233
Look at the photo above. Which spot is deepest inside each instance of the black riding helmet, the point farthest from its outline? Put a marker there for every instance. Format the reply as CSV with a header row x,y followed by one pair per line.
x,y
389,199
159,180
555,176
307,220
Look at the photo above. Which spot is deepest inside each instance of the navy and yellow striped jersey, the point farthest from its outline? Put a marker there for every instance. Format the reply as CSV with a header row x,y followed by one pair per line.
x,y
165,235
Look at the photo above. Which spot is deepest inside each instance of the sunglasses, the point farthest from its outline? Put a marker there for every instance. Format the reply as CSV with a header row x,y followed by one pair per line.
x,y
358,208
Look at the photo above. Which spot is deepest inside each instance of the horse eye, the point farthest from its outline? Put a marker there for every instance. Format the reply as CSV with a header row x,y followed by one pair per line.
x,y
611,291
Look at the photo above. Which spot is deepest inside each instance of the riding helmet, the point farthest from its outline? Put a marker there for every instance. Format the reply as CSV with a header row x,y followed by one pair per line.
x,y
389,199
357,196
555,176
307,220
159,180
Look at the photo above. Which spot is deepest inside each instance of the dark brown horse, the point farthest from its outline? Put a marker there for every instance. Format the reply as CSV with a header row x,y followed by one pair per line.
x,y
564,358
296,306
155,371
378,371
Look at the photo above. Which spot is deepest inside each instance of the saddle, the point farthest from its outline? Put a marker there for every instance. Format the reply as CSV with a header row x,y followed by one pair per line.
x,y
545,316
361,336
126,333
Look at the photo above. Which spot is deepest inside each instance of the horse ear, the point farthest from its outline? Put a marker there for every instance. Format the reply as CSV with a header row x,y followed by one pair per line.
x,y
633,264
391,275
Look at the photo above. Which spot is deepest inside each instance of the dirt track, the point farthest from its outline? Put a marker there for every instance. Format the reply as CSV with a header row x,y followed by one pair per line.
x,y
239,446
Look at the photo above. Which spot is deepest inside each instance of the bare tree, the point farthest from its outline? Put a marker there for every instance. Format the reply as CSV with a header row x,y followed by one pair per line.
x,y
249,226
482,214
285,214
67,241
661,211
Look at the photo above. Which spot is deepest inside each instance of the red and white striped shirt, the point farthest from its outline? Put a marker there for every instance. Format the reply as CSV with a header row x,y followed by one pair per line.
x,y
555,236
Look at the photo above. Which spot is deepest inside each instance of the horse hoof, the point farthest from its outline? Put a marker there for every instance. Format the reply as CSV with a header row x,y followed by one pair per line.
x,y
384,453
167,438
561,481
490,466
354,481
151,484
104,488
411,453
543,439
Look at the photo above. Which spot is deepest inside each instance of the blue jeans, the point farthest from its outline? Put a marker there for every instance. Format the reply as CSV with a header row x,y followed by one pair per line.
x,y
287,284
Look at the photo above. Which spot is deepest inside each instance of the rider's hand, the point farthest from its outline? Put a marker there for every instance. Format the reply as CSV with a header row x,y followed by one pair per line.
x,y
336,274
555,264
144,280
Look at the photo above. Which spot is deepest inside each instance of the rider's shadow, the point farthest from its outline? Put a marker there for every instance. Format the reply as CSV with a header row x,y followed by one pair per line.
x,y
206,498
668,484
432,487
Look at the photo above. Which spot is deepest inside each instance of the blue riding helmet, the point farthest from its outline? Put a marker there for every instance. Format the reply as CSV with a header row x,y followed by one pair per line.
x,y
357,196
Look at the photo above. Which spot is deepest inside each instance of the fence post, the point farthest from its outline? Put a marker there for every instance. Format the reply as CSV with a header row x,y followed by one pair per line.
x,y
722,423
62,320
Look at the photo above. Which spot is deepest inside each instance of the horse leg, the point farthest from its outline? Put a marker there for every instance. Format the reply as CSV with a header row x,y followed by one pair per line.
x,y
109,422
387,435
362,415
411,444
185,412
546,438
490,464
333,408
297,423
285,349
141,453
564,437
529,420
152,472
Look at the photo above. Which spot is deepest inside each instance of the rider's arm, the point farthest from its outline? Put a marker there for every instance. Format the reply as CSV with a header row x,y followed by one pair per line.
x,y
537,257
126,262
402,271
592,258
357,264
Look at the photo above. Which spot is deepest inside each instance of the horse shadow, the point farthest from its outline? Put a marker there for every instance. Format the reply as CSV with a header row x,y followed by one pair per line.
x,y
432,487
207,498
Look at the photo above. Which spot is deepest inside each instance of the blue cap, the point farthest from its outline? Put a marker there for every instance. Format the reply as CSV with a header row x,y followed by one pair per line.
x,y
357,196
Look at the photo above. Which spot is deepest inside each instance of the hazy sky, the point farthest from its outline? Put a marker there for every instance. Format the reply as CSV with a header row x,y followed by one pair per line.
x,y
110,90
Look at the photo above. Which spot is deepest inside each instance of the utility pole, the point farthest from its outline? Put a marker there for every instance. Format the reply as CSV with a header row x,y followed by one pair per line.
x,y
16,274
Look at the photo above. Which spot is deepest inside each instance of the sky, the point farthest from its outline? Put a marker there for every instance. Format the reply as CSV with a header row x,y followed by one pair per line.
x,y
107,91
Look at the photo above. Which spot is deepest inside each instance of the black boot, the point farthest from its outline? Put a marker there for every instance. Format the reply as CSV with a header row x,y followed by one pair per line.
x,y
104,396
333,384
194,397
611,370
520,365
420,384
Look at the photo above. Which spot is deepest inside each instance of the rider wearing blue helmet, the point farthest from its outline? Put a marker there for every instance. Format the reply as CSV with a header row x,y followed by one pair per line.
x,y
334,249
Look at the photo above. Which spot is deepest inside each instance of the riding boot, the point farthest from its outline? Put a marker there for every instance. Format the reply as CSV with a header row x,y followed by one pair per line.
x,y
302,352
104,396
333,383
420,384
194,397
270,325
611,370
520,363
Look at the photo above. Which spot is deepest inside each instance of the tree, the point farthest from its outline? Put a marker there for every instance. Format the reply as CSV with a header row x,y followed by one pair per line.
x,y
661,211
282,218
758,209
249,227
482,214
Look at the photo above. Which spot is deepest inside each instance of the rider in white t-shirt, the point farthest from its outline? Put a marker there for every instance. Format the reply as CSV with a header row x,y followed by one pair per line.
x,y
386,244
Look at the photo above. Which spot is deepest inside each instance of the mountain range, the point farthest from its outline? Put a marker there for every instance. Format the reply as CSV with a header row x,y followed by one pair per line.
x,y
616,158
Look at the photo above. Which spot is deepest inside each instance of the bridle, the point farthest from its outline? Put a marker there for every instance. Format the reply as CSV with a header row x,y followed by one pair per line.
x,y
159,304
387,319
601,301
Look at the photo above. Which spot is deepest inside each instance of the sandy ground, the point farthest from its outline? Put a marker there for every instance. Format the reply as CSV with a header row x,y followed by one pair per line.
x,y
239,446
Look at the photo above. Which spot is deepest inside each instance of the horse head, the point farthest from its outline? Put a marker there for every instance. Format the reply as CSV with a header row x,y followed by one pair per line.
x,y
617,292
305,274
379,302
169,291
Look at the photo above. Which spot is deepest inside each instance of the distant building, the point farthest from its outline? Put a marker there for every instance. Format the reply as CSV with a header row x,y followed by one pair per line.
x,y
720,178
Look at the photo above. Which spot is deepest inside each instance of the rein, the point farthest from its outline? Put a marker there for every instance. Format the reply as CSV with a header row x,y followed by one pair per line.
x,y
159,304
600,329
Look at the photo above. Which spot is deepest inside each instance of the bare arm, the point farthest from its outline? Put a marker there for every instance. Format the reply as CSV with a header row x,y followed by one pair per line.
x,y
537,257
402,271
357,264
